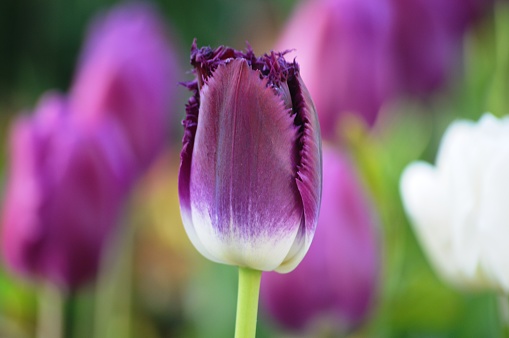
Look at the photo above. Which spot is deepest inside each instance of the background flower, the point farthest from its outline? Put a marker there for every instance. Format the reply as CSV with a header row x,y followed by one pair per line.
x,y
128,71
359,56
75,162
64,195
345,57
458,206
428,36
338,279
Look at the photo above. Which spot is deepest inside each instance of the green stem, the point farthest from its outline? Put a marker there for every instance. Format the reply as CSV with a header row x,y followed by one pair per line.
x,y
498,101
503,311
50,322
114,288
247,302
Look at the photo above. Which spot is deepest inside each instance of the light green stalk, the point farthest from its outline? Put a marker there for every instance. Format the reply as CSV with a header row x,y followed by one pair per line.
x,y
247,302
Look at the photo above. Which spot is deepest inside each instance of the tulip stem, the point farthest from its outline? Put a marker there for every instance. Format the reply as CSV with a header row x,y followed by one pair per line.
x,y
247,302
50,312
503,310
499,102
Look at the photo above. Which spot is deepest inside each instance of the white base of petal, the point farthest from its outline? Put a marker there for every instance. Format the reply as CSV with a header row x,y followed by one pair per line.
x,y
281,251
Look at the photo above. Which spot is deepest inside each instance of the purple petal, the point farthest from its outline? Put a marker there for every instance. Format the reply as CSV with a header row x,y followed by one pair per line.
x,y
244,157
309,174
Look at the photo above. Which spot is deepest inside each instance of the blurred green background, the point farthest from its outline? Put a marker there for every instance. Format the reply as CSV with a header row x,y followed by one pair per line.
x,y
158,285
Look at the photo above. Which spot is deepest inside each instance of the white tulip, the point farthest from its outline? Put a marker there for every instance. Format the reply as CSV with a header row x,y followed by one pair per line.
x,y
460,207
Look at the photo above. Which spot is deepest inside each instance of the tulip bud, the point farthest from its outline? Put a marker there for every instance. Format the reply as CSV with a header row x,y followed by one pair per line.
x,y
343,47
250,174
337,279
126,72
469,12
63,196
427,40
458,207
424,44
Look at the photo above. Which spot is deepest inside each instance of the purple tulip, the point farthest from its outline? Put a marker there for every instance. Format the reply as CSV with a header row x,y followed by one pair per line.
x,y
74,163
343,47
427,40
250,174
64,193
469,12
338,277
127,72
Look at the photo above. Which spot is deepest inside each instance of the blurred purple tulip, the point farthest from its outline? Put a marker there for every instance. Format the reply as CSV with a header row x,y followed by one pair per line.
x,y
74,162
250,174
64,193
426,43
128,71
343,47
358,54
469,12
428,35
338,278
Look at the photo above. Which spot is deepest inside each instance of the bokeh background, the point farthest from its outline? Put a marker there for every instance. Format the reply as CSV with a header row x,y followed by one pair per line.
x,y
153,282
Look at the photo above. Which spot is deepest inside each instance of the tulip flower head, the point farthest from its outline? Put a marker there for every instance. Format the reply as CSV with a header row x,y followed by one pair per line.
x,y
75,161
127,70
428,36
64,194
250,174
427,40
337,279
458,207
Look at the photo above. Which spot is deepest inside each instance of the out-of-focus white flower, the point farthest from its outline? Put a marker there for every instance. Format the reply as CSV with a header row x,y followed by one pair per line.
x,y
460,207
